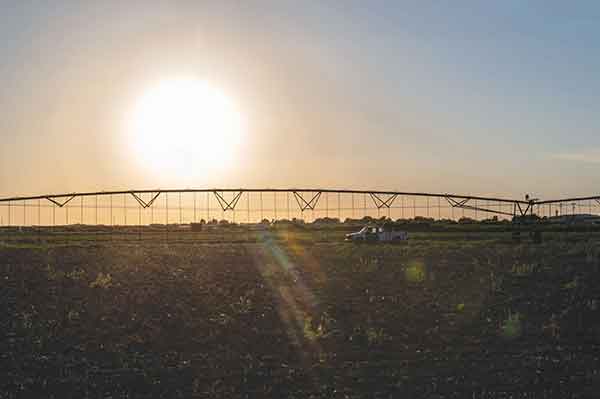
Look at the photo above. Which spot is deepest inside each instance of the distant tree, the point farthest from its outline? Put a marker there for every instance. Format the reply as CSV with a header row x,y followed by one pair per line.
x,y
354,221
447,221
326,220
526,219
423,219
493,219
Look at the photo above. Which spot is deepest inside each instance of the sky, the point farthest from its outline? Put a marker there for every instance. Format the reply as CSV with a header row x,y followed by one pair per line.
x,y
474,97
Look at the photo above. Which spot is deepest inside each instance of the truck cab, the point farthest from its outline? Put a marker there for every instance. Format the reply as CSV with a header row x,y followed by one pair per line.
x,y
387,232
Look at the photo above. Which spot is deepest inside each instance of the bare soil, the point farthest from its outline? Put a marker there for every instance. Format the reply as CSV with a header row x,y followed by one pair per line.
x,y
284,318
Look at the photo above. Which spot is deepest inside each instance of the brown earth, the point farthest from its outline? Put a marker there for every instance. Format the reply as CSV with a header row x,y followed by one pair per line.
x,y
291,319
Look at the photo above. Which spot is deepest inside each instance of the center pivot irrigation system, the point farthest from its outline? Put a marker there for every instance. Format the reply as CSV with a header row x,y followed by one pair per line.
x,y
243,205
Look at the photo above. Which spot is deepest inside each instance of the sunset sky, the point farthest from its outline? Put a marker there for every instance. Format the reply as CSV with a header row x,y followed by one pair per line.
x,y
475,97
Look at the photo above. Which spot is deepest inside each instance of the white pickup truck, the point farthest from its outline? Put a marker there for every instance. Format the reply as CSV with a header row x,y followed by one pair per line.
x,y
374,233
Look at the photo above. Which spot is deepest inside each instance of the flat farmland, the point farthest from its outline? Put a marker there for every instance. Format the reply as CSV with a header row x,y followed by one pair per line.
x,y
300,315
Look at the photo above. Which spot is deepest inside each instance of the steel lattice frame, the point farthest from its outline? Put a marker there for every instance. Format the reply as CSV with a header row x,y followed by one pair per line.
x,y
306,199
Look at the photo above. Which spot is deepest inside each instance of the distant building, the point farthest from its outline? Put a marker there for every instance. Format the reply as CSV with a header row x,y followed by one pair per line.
x,y
582,218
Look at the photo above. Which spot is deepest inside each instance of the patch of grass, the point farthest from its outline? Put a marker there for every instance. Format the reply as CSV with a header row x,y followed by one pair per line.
x,y
102,281
571,285
311,332
376,335
523,269
54,274
512,327
244,304
368,263
77,274
415,272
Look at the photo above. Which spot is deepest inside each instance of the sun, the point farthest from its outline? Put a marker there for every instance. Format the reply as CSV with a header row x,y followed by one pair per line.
x,y
185,127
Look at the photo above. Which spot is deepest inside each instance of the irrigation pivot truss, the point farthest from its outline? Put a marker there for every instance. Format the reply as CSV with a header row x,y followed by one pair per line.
x,y
180,206
249,205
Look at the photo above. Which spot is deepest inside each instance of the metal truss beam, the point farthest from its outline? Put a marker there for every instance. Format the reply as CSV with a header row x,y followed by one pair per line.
x,y
379,203
142,203
463,205
381,199
573,199
524,212
61,204
308,199
455,203
227,205
303,204
269,190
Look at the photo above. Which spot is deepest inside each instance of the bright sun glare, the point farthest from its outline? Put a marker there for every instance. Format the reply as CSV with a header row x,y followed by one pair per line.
x,y
185,127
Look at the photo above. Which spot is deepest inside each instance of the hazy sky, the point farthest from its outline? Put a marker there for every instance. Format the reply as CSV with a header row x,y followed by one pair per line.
x,y
476,97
